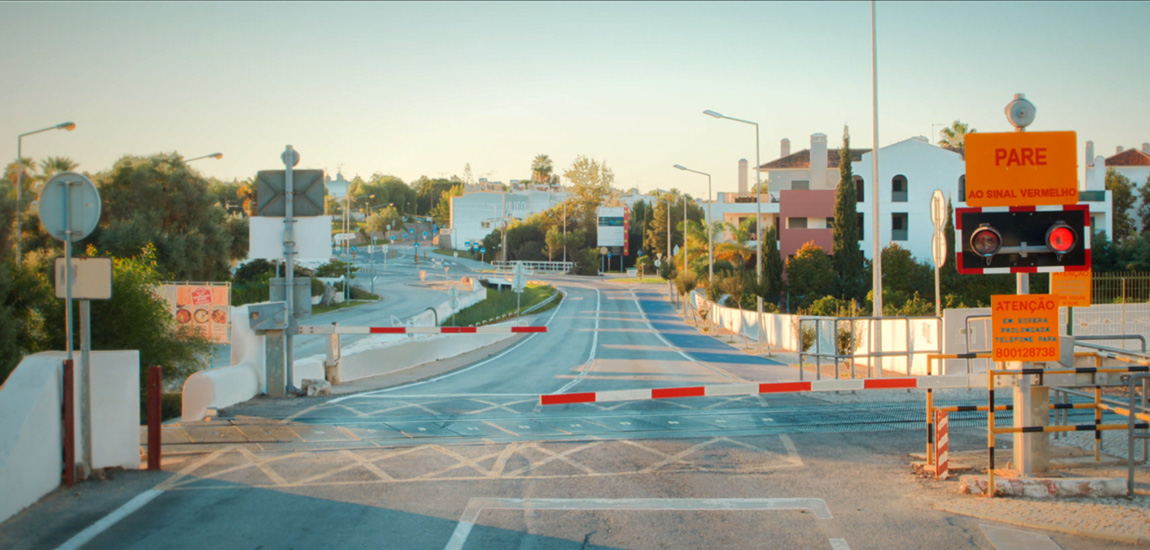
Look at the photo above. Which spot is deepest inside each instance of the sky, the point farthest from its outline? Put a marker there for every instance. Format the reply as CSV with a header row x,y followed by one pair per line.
x,y
422,88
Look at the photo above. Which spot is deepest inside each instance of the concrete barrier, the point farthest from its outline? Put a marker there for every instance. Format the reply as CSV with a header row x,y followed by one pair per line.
x,y
31,434
246,378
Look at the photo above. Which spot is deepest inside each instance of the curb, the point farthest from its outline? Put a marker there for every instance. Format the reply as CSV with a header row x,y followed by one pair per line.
x,y
1126,539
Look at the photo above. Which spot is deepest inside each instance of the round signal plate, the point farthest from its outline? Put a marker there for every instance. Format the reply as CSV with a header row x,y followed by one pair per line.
x,y
985,242
1061,239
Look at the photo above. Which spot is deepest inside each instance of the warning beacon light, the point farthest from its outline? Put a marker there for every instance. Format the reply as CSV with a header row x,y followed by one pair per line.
x,y
986,241
1023,239
1061,238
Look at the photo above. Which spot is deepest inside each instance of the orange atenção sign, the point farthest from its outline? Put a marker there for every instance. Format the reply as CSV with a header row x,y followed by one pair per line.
x,y
1024,327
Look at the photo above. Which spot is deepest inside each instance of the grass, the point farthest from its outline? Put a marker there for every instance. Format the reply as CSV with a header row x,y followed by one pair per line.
x,y
358,296
500,304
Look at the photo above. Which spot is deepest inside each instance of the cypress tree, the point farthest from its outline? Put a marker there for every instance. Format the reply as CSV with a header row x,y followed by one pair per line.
x,y
772,283
849,281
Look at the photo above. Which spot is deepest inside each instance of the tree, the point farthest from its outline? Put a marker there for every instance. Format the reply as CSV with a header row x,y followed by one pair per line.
x,y
736,251
428,193
158,200
772,284
441,214
54,165
903,277
1144,208
541,169
954,137
809,274
379,220
847,256
1123,192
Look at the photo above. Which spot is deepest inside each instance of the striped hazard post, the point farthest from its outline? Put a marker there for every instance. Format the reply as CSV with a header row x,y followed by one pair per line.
x,y
340,329
942,437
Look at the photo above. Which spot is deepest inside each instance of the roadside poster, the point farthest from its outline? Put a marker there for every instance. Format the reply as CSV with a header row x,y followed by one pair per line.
x,y
203,307
1024,327
1072,287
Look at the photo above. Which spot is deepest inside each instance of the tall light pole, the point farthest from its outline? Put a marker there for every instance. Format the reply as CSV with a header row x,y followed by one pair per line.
x,y
758,214
710,236
69,126
876,256
213,155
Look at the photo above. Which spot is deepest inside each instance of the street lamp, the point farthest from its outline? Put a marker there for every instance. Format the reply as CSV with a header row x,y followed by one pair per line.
x,y
69,126
213,155
710,236
758,214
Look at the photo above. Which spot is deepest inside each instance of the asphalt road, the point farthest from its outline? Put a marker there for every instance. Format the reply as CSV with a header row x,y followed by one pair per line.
x,y
469,459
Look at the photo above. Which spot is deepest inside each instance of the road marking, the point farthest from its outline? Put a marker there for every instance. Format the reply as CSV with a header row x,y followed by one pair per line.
x,y
94,530
594,346
139,501
716,370
1004,538
840,544
476,505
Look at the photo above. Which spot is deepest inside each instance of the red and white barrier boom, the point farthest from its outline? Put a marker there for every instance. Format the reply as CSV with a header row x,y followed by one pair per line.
x,y
339,329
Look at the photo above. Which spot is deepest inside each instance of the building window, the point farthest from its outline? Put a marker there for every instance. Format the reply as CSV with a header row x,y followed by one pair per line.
x,y
830,223
485,225
801,185
861,226
796,223
898,227
859,189
898,188
962,188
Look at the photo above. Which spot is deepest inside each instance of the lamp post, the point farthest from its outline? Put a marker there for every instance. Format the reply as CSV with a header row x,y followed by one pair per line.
x,y
710,236
213,155
69,126
758,214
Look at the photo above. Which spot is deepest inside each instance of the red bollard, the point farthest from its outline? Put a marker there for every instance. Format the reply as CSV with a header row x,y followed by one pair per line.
x,y
154,412
69,424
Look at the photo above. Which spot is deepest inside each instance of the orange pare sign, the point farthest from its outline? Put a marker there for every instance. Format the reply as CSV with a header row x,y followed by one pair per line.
x,y
1021,169
1072,288
1024,328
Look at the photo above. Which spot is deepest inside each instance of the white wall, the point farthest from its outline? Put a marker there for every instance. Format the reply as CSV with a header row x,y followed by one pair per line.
x,y
31,431
926,168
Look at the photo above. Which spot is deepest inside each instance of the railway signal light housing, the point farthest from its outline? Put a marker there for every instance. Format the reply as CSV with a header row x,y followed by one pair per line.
x,y
1023,239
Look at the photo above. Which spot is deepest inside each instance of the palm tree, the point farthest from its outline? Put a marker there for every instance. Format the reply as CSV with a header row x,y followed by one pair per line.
x,y
541,169
954,138
55,165
736,252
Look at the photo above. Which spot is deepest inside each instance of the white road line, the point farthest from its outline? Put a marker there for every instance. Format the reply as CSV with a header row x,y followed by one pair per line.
x,y
476,505
668,343
594,346
840,544
94,530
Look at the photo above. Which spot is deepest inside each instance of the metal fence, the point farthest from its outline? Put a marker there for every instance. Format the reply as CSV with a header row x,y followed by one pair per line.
x,y
1121,287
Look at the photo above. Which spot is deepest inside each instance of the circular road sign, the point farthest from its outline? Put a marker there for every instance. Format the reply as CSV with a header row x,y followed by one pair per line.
x,y
79,195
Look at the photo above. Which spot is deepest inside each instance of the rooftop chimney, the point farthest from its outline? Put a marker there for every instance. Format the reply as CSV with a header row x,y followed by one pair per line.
x,y
1118,149
1090,153
742,176
1146,147
785,148
818,170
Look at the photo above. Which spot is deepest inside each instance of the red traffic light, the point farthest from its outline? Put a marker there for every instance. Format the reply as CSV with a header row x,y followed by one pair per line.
x,y
1061,238
985,241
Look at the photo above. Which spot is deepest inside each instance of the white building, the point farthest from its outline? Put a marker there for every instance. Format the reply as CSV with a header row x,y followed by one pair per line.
x,y
477,213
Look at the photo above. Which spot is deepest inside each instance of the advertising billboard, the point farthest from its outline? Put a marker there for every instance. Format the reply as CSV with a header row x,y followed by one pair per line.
x,y
613,226
202,306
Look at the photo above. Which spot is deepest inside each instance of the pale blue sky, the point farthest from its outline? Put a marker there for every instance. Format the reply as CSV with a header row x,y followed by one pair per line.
x,y
416,89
